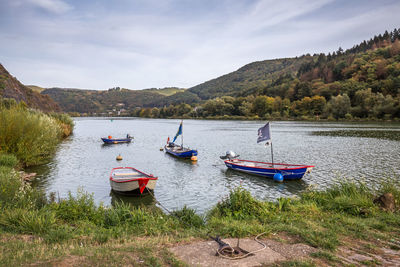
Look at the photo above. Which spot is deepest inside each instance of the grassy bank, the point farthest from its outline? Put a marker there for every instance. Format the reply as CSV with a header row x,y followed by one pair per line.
x,y
49,230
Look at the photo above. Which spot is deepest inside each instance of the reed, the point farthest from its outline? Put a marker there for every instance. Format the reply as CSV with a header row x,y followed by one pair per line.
x,y
31,136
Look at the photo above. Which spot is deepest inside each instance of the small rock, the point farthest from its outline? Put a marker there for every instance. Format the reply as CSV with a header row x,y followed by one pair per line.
x,y
386,201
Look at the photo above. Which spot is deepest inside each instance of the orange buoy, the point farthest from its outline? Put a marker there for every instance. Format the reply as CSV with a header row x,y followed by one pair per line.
x,y
194,158
119,157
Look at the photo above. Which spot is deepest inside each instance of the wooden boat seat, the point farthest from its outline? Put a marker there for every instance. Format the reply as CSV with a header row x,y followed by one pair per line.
x,y
129,174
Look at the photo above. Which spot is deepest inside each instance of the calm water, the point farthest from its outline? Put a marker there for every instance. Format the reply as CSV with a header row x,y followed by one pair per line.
x,y
82,161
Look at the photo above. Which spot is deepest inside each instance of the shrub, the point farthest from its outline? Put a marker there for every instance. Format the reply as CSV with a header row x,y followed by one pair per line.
x,y
30,135
81,207
188,217
240,205
117,215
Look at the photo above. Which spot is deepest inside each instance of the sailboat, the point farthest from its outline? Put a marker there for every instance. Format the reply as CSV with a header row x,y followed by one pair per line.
x,y
179,150
278,171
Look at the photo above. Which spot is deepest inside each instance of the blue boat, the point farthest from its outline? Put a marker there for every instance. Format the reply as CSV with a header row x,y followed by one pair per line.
x,y
288,171
179,150
110,140
278,171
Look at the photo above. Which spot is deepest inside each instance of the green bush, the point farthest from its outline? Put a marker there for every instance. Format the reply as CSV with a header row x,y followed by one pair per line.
x,y
240,205
82,207
117,215
30,135
188,217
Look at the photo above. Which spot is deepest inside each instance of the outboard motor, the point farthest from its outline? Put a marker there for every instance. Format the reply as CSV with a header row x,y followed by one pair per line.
x,y
229,155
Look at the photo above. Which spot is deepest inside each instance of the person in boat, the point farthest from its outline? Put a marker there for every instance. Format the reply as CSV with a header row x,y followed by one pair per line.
x,y
128,136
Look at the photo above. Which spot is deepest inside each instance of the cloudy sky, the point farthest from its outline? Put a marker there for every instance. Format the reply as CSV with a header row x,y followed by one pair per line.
x,y
140,44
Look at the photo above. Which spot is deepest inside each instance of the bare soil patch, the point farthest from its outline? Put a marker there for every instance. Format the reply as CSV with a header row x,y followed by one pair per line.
x,y
203,253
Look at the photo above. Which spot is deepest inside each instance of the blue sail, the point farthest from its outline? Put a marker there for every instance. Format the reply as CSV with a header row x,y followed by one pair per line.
x,y
178,133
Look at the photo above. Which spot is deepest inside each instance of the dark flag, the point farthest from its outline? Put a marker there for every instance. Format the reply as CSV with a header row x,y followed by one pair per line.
x,y
264,134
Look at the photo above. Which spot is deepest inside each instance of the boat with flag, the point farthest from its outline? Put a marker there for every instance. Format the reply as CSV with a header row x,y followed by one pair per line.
x,y
111,140
179,150
278,171
130,181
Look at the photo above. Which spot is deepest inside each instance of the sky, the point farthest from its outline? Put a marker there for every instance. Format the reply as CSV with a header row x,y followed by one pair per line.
x,y
137,44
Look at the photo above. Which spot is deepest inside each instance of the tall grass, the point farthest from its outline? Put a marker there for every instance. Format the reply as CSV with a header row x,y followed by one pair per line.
x,y
31,136
8,160
65,121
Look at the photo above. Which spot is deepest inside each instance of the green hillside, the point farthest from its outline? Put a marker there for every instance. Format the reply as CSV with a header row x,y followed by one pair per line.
x,y
35,88
249,78
167,91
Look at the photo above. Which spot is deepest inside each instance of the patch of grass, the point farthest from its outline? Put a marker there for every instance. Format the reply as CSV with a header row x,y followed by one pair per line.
x,y
325,255
27,221
8,160
389,135
295,264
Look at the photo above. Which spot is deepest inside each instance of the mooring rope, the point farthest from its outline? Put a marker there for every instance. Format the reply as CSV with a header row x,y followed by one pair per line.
x,y
218,250
245,255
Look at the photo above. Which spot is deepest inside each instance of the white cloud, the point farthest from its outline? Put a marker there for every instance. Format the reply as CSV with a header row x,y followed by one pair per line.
x,y
52,6
102,46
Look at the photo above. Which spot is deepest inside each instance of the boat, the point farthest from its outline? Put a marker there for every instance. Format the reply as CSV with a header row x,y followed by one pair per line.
x,y
288,171
130,181
278,171
179,151
110,140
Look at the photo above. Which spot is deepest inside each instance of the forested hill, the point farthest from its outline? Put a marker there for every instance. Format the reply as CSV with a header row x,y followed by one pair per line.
x,y
10,87
249,78
108,101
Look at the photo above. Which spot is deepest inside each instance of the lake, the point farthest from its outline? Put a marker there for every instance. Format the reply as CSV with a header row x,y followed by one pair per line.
x,y
83,162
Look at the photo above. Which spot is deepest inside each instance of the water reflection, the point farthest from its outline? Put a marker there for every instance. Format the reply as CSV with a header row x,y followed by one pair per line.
x,y
136,201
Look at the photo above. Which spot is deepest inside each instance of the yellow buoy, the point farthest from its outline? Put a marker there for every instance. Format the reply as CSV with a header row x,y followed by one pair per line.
x,y
194,158
119,157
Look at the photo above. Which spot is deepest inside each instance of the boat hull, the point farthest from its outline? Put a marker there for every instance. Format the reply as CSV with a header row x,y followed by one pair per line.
x,y
116,141
288,171
132,188
179,153
130,181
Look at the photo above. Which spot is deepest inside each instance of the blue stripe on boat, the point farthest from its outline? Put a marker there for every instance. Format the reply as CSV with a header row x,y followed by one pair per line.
x,y
295,173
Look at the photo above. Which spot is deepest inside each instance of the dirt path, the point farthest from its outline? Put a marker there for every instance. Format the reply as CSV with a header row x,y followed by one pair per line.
x,y
203,253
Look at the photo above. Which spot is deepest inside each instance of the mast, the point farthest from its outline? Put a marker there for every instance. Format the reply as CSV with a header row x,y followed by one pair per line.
x,y
182,134
272,155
